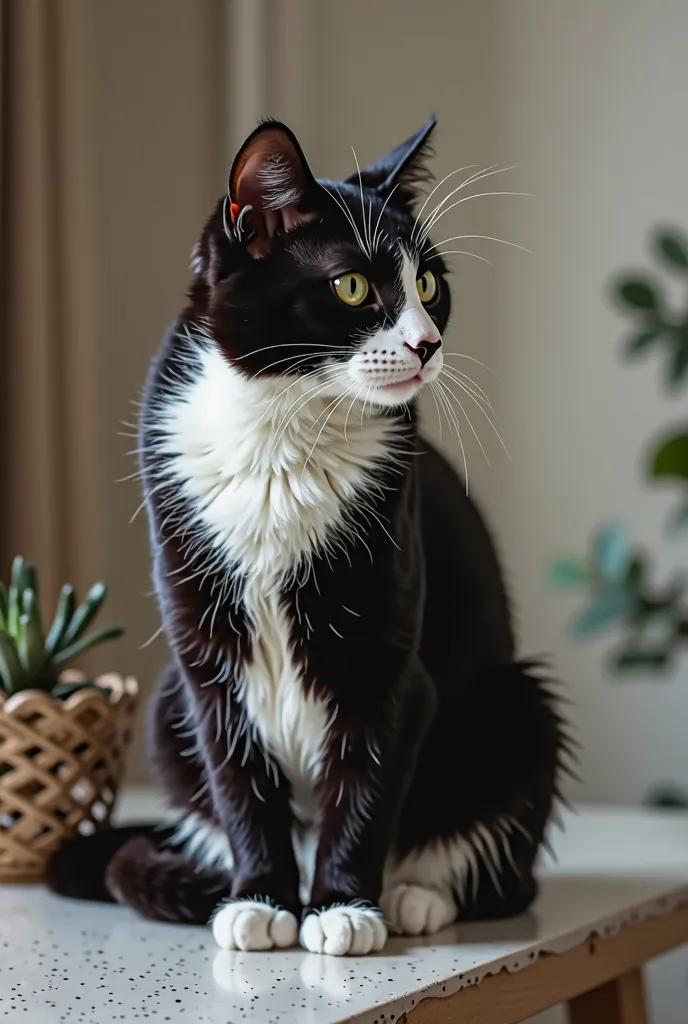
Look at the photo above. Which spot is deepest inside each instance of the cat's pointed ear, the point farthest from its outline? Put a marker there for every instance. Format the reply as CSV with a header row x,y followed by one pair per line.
x,y
404,167
270,175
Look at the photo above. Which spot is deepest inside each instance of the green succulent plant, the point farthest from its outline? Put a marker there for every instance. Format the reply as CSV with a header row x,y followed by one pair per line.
x,y
31,659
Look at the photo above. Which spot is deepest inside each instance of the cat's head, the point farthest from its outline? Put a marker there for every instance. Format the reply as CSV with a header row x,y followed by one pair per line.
x,y
333,281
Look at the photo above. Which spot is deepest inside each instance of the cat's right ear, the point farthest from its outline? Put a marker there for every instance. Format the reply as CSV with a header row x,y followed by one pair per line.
x,y
404,169
270,186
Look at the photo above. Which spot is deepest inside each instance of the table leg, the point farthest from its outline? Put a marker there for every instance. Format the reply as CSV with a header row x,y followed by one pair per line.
x,y
620,1001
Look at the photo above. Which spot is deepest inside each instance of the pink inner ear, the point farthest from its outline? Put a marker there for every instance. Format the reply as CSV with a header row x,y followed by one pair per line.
x,y
271,179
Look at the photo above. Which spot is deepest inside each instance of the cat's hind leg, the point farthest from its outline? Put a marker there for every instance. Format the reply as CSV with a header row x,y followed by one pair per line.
x,y
475,815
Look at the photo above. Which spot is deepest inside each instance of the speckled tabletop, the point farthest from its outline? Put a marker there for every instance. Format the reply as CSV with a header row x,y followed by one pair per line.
x,y
77,963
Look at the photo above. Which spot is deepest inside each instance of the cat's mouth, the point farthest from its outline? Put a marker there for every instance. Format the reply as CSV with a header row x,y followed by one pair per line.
x,y
400,385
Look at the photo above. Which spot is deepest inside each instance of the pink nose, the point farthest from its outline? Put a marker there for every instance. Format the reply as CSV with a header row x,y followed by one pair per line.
x,y
425,349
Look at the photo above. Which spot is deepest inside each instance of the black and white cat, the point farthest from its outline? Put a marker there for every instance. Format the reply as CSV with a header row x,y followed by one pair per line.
x,y
345,737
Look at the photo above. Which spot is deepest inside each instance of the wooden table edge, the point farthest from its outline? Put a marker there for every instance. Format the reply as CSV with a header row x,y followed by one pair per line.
x,y
510,997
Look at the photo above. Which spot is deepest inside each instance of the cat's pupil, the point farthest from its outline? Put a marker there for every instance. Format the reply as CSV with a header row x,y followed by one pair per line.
x,y
352,285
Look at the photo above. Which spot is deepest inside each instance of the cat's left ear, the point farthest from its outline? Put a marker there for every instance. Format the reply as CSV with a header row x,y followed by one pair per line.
x,y
270,175
404,167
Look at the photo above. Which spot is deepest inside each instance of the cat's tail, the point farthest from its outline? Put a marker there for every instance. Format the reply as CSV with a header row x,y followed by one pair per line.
x,y
134,867
78,867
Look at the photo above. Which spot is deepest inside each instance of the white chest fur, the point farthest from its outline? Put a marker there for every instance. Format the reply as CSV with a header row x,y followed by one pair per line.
x,y
290,723
268,468
268,471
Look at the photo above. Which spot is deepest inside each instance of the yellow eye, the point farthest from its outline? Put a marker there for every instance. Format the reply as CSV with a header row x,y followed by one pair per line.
x,y
427,287
351,288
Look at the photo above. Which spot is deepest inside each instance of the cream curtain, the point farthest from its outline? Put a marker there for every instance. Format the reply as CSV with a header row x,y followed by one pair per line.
x,y
48,444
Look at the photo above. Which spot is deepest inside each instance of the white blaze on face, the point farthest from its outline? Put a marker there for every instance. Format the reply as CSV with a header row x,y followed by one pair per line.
x,y
415,324
386,368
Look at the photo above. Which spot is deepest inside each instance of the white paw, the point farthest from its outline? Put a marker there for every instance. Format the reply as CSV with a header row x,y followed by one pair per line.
x,y
413,910
249,924
344,930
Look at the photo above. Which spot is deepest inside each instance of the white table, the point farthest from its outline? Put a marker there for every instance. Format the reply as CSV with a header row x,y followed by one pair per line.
x,y
617,897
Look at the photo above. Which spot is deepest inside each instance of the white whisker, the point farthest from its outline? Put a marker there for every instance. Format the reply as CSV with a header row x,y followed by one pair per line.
x,y
347,213
462,355
478,195
149,641
471,386
318,389
363,216
451,417
377,225
298,380
460,252
439,418
438,185
489,238
305,395
336,402
466,416
353,402
486,415
487,172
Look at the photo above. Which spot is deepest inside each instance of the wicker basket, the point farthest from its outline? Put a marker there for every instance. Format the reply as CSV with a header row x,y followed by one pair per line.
x,y
61,763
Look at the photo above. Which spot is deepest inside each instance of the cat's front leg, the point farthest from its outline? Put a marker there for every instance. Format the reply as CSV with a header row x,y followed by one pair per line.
x,y
250,797
368,766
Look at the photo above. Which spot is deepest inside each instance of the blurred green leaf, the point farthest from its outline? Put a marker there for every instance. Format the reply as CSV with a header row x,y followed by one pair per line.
x,y
64,690
636,571
596,617
85,613
568,572
611,551
13,610
678,365
17,577
31,608
10,666
638,293
79,647
667,796
63,616
671,458
639,343
29,580
637,661
672,247
31,650
658,627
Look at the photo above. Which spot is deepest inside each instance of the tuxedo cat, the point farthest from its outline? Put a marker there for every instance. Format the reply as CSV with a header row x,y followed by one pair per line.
x,y
345,738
